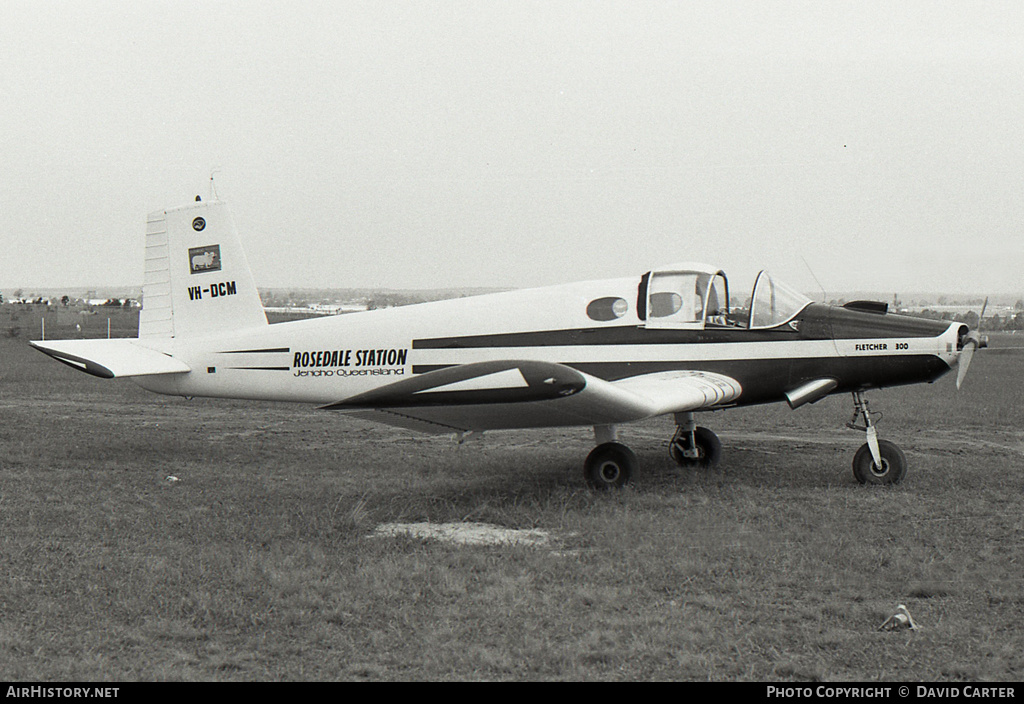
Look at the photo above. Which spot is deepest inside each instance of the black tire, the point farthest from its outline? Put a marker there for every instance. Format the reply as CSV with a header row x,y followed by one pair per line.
x,y
892,471
709,447
609,466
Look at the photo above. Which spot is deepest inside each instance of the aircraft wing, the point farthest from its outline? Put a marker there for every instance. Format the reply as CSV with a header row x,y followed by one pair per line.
x,y
111,358
533,394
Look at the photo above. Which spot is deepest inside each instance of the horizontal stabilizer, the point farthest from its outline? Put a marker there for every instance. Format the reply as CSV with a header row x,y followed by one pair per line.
x,y
111,358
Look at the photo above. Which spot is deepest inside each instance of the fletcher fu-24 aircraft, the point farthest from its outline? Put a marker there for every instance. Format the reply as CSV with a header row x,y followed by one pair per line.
x,y
596,353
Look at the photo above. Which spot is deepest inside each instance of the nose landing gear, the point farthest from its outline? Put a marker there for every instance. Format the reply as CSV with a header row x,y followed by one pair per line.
x,y
877,461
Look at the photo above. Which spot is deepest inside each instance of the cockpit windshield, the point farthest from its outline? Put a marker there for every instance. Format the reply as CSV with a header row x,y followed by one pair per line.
x,y
773,303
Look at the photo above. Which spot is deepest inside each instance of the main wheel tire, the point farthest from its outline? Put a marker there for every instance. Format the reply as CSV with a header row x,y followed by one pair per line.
x,y
892,471
709,449
609,466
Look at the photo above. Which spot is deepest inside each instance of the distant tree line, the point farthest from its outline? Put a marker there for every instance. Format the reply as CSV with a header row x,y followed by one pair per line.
x,y
67,301
992,323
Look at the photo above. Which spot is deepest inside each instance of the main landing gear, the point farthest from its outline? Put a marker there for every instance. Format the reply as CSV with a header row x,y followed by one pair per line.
x,y
693,446
877,461
611,464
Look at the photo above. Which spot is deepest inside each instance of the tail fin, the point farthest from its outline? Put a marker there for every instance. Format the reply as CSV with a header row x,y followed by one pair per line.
x,y
197,281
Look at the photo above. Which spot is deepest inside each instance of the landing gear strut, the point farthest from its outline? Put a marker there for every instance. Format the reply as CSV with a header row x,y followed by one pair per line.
x,y
611,464
693,446
877,461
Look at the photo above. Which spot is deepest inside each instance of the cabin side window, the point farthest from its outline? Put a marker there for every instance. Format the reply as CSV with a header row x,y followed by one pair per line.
x,y
684,298
676,296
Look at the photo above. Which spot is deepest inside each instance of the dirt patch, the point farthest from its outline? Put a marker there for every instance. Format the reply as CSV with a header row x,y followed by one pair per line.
x,y
465,533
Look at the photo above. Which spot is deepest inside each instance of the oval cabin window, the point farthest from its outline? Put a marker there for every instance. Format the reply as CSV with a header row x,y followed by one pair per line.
x,y
605,309
665,304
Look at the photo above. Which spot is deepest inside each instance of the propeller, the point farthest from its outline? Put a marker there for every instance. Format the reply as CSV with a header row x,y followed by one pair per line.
x,y
970,343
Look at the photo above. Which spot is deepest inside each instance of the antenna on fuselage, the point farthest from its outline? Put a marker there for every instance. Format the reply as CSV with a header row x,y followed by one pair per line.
x,y
213,187
824,296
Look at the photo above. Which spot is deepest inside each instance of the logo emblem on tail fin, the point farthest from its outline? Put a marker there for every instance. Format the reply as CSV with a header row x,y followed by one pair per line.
x,y
203,259
198,224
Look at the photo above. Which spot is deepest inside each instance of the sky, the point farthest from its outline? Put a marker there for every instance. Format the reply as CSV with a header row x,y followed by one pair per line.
x,y
411,144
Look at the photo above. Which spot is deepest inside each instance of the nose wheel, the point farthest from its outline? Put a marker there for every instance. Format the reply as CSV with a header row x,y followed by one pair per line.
x,y
891,470
877,461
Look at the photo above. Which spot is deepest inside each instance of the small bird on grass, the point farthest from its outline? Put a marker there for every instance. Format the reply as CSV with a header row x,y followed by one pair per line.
x,y
900,619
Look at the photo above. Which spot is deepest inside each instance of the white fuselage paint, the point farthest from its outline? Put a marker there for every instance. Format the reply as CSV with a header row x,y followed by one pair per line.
x,y
241,365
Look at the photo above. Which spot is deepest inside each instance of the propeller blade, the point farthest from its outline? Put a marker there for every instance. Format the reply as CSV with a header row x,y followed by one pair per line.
x,y
966,354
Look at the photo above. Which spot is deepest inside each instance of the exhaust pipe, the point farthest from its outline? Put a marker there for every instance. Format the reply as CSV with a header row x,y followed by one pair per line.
x,y
810,392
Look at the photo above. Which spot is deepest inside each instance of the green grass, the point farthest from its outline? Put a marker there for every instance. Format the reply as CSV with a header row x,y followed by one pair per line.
x,y
259,563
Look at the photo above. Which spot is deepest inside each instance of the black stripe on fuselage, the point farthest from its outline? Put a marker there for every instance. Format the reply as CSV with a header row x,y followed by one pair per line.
x,y
618,335
846,324
815,322
267,350
265,369
766,380
541,381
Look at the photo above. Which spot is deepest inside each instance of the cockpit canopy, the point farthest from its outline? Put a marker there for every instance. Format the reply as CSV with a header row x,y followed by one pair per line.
x,y
685,296
774,303
691,296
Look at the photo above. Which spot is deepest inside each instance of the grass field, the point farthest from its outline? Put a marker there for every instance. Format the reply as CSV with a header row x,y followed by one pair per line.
x,y
260,562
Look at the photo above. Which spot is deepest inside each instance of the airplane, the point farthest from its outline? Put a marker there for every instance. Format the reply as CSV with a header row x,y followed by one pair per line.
x,y
596,353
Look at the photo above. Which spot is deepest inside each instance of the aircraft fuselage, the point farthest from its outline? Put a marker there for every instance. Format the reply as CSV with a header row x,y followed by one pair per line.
x,y
328,360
